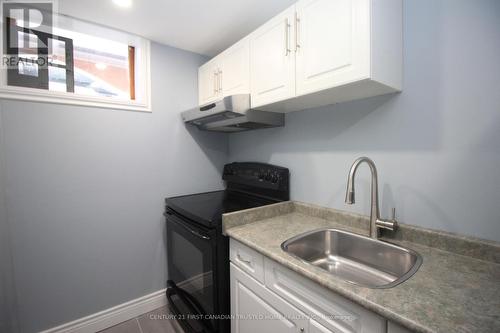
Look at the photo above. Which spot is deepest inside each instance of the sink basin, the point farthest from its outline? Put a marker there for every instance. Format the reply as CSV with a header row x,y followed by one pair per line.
x,y
357,259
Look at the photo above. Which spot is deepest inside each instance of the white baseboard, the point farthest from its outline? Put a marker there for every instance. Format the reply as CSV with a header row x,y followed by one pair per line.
x,y
113,316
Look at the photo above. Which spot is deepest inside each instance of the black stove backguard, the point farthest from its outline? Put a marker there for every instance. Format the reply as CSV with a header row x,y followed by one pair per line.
x,y
260,179
198,254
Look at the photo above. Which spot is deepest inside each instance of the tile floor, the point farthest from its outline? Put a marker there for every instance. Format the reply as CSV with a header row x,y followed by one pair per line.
x,y
152,322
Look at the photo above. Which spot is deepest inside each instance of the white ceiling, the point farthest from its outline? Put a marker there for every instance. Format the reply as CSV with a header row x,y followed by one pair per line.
x,y
202,26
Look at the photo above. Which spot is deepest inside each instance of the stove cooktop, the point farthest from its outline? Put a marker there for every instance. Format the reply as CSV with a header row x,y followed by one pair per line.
x,y
207,208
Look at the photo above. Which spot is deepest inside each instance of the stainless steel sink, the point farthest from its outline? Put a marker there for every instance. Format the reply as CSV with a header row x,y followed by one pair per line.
x,y
357,259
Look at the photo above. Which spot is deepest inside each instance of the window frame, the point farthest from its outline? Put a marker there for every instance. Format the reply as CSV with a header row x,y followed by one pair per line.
x,y
71,98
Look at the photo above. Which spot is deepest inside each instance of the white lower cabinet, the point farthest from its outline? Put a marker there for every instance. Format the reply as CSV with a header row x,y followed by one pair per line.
x,y
332,311
284,301
257,309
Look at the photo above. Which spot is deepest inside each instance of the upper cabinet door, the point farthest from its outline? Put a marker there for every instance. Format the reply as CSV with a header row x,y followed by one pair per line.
x,y
332,43
208,81
272,60
235,69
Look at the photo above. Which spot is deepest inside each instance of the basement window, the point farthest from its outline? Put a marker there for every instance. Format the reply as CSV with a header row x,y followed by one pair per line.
x,y
75,62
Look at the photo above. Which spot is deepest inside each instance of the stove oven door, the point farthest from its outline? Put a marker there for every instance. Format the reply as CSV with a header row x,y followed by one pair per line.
x,y
191,292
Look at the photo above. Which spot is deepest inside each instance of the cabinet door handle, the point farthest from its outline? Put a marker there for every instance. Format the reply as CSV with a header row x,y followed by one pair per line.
x,y
287,37
297,31
220,80
215,82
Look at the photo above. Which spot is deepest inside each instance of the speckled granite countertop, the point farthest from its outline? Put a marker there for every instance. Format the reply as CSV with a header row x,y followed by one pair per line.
x,y
457,288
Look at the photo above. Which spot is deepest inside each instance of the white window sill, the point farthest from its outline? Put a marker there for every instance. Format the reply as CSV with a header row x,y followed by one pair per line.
x,y
34,95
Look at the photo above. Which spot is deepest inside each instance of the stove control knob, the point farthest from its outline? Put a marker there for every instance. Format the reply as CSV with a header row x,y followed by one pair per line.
x,y
268,177
274,179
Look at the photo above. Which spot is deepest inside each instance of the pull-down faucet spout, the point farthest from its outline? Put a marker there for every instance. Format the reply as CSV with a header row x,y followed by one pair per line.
x,y
350,198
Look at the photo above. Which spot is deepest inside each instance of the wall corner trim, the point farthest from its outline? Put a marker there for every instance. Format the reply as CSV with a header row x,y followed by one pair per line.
x,y
113,316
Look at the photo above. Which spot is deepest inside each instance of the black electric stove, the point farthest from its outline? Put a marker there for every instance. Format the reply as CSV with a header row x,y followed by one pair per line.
x,y
198,253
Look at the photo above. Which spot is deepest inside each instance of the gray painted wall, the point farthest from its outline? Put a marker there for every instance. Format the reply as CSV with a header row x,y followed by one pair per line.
x,y
5,268
436,145
8,315
85,190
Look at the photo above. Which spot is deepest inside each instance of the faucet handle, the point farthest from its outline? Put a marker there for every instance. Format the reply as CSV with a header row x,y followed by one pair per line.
x,y
391,224
393,219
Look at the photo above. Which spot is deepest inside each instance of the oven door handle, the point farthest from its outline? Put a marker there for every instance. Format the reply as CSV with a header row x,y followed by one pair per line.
x,y
197,234
176,310
193,232
192,304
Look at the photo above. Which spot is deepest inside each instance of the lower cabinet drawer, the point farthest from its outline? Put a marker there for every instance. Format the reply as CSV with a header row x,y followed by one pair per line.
x,y
247,259
256,309
328,311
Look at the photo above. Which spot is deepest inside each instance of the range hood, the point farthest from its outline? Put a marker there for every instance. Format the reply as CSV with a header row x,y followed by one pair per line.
x,y
231,114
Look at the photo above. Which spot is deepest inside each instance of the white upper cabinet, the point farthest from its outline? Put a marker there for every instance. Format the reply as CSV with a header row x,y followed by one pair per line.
x,y
333,39
226,74
235,69
340,50
272,60
315,53
208,83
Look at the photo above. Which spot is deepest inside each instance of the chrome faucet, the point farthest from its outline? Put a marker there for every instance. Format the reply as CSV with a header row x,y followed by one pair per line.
x,y
375,220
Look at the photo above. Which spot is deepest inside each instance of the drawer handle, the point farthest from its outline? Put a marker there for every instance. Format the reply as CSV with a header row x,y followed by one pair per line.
x,y
246,261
